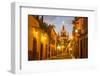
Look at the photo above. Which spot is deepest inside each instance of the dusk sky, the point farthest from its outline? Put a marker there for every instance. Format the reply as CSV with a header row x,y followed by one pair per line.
x,y
58,21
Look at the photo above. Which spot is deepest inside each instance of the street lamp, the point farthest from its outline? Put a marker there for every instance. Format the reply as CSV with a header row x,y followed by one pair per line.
x,y
36,33
43,38
76,31
58,47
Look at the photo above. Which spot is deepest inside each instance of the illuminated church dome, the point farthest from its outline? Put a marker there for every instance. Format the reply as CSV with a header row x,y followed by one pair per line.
x,y
64,32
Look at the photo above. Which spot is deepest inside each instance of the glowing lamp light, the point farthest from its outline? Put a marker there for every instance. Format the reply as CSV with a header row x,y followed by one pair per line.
x,y
36,32
76,31
58,47
71,37
45,37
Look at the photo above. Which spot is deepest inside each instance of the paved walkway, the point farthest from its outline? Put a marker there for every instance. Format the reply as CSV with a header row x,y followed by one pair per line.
x,y
64,56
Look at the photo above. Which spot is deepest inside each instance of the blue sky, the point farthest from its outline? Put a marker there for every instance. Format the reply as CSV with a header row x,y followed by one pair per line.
x,y
58,21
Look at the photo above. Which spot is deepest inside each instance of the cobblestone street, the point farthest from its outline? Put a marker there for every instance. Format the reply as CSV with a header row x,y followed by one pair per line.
x,y
63,56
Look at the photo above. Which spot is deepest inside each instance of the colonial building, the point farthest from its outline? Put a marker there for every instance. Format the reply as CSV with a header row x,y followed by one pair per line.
x,y
42,39
37,39
52,41
80,33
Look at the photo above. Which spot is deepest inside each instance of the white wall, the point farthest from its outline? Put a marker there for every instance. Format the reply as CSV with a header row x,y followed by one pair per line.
x,y
5,33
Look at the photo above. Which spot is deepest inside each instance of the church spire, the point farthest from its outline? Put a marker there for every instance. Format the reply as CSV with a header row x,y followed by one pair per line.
x,y
63,30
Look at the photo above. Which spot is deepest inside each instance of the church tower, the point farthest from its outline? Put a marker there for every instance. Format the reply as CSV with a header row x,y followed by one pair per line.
x,y
64,33
63,38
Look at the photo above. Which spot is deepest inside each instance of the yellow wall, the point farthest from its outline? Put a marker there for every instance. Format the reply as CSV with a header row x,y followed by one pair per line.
x,y
34,30
32,22
53,47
